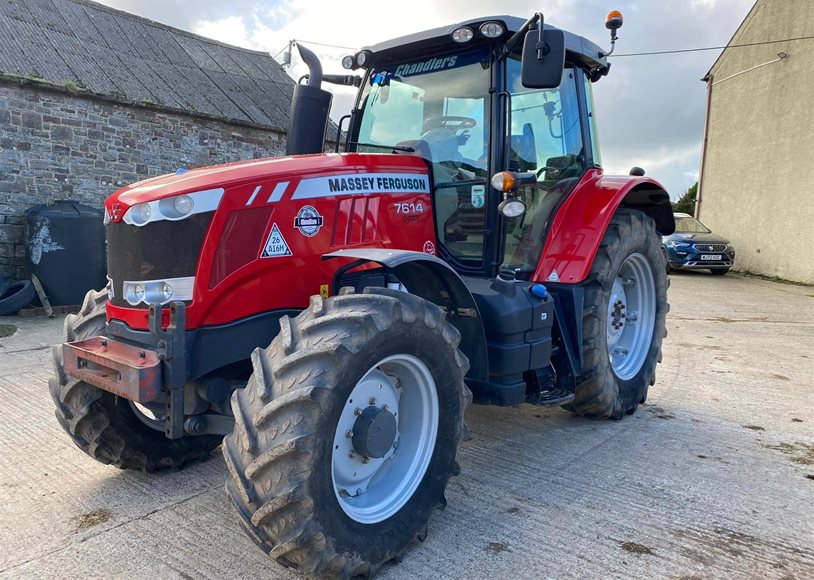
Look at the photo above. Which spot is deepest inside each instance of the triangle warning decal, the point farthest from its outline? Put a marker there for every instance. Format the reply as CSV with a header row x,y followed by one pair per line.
x,y
276,245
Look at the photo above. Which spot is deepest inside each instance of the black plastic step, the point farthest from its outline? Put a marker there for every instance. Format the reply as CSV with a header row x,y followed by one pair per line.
x,y
551,398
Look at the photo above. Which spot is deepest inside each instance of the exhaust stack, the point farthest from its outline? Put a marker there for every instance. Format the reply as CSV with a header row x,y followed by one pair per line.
x,y
310,106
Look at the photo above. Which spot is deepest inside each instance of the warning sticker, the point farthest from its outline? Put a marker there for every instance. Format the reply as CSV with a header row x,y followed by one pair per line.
x,y
276,245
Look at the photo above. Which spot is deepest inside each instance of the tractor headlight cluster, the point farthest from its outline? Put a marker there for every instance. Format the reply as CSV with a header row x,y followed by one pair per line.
x,y
362,59
158,291
173,208
487,29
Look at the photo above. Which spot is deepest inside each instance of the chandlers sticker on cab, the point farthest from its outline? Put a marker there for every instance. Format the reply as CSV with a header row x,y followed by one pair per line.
x,y
361,183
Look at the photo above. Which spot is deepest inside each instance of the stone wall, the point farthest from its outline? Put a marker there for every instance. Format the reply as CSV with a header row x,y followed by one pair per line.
x,y
57,145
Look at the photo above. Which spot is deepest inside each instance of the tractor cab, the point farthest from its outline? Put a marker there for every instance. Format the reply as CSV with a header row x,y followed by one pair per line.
x,y
459,98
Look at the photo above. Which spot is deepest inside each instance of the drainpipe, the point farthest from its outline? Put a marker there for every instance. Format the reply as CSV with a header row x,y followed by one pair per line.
x,y
698,197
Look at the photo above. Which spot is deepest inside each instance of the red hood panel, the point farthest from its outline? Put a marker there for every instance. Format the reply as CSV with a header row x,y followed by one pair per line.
x,y
233,174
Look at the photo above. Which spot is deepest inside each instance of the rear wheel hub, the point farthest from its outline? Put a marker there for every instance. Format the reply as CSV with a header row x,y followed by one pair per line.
x,y
374,432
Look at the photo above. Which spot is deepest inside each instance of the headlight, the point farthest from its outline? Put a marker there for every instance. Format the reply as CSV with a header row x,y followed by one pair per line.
x,y
176,207
159,291
512,207
462,34
348,62
140,214
183,204
491,29
363,58
678,245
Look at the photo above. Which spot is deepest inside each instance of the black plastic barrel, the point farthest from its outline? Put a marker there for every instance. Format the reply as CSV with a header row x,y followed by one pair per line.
x,y
65,248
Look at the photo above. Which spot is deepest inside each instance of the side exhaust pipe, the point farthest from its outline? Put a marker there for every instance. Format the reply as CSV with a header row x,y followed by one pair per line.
x,y
310,107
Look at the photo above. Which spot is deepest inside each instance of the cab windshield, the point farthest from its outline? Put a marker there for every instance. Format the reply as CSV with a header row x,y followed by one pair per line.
x,y
439,108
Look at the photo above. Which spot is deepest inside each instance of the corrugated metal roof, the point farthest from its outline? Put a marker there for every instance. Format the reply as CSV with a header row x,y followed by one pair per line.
x,y
121,56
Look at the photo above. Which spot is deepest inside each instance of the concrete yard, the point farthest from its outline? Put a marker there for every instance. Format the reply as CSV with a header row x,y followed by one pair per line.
x,y
712,478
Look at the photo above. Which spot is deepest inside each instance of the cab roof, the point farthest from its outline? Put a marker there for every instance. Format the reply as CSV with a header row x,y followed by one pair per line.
x,y
579,49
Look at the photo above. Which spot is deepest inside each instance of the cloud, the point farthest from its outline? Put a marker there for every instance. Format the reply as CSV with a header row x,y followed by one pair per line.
x,y
650,110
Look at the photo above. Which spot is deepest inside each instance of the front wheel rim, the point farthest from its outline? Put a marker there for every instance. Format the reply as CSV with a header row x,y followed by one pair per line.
x,y
631,316
372,489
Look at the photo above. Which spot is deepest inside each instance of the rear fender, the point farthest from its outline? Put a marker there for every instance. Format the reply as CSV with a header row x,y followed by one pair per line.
x,y
581,221
435,281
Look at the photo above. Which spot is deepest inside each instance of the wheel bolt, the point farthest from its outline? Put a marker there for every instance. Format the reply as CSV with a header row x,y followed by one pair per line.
x,y
372,400
348,433
357,411
384,407
365,460
351,454
359,491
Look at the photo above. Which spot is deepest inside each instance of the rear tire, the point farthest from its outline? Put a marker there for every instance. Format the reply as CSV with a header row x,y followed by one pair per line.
x,y
105,426
611,385
290,420
719,272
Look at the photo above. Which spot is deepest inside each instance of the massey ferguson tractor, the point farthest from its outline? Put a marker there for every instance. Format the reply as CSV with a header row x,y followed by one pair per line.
x,y
332,314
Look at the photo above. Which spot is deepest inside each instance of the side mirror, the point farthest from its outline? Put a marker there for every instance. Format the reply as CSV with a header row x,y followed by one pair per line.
x,y
542,66
637,171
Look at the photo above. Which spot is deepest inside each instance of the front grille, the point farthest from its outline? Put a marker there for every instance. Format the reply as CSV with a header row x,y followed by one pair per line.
x,y
710,247
156,251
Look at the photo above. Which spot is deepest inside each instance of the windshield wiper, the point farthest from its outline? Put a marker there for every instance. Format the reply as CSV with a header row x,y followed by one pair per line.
x,y
392,147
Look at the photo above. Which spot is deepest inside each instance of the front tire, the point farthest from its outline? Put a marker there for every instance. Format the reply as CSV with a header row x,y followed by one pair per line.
x,y
293,456
105,426
624,318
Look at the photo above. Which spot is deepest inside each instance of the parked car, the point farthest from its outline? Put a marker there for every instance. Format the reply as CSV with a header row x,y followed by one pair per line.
x,y
693,246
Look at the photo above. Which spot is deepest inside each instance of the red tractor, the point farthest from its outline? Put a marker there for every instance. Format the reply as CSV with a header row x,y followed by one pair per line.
x,y
333,314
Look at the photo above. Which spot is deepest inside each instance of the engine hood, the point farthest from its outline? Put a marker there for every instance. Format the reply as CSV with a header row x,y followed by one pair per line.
x,y
230,175
709,238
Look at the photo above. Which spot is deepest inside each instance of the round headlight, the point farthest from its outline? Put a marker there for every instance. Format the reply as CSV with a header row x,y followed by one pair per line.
x,y
138,292
166,291
362,58
491,29
462,34
348,62
512,208
140,214
183,204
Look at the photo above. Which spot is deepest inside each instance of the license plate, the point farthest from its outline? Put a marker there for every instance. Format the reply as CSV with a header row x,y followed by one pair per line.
x,y
715,257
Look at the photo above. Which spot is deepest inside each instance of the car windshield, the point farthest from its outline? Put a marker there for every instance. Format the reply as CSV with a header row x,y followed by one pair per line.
x,y
690,225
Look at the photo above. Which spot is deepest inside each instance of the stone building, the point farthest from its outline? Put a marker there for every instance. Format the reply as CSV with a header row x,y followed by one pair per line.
x,y
759,142
92,98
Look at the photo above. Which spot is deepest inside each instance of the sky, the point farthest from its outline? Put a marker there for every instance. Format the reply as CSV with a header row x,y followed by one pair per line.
x,y
650,109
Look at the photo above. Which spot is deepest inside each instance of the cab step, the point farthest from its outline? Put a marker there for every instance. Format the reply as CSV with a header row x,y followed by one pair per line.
x,y
551,398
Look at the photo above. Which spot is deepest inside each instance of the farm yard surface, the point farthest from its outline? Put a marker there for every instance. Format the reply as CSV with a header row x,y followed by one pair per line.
x,y
712,478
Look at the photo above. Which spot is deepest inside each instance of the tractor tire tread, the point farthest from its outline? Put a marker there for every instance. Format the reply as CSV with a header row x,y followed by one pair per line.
x,y
279,422
89,415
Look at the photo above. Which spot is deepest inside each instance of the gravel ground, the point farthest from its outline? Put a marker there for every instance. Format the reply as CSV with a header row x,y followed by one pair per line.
x,y
712,478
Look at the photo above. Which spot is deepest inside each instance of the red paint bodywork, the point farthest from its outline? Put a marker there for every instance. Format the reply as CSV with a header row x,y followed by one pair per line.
x,y
263,284
580,223
233,281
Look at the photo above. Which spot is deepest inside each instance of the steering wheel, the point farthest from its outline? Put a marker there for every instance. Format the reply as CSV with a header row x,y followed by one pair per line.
x,y
452,123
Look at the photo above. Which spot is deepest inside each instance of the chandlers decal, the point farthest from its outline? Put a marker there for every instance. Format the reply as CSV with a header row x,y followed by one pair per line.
x,y
361,183
426,65
308,221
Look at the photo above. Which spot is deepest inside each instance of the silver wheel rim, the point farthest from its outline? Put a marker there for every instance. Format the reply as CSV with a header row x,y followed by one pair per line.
x,y
151,415
370,490
631,316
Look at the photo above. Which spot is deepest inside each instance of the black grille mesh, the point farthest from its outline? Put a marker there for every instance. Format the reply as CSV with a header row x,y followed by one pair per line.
x,y
159,250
